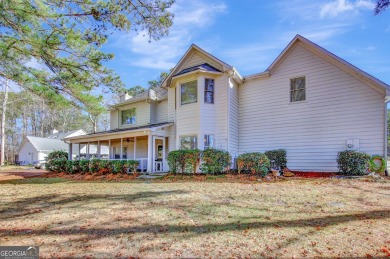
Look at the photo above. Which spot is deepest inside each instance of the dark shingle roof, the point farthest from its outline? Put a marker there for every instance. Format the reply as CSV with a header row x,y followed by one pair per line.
x,y
202,67
61,135
127,129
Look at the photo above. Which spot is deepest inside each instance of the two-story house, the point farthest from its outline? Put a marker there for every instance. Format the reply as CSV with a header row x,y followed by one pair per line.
x,y
309,102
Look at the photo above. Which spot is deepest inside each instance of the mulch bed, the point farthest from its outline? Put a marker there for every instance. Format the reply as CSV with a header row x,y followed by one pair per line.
x,y
313,174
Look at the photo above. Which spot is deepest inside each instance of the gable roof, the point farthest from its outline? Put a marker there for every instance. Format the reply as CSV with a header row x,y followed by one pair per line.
x,y
203,67
158,93
192,48
323,53
47,144
61,135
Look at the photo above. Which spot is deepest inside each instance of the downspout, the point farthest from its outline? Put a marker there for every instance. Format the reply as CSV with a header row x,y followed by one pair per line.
x,y
387,99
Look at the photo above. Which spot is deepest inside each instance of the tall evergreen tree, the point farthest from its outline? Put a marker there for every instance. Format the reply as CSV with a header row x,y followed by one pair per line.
x,y
52,48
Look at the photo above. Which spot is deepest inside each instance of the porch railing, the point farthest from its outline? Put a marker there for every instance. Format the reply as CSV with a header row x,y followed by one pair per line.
x,y
143,162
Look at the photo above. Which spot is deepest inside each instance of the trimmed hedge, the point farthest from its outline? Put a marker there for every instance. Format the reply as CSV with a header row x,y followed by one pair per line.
x,y
183,160
55,161
215,161
255,162
93,166
352,162
279,156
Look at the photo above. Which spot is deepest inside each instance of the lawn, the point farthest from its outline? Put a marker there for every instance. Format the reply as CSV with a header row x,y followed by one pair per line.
x,y
295,218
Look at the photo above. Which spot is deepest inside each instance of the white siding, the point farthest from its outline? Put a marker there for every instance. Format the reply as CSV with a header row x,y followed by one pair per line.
x,y
207,112
27,153
171,103
198,58
142,113
337,107
187,116
162,111
221,112
113,119
233,120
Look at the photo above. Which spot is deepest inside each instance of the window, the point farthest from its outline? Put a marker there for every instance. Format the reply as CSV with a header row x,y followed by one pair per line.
x,y
188,142
209,90
117,152
208,141
128,117
297,89
189,92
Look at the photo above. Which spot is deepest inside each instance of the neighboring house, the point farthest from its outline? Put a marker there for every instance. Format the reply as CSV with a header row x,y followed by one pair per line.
x,y
35,149
309,102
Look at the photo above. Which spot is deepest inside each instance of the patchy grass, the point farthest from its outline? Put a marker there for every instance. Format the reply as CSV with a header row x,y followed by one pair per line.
x,y
15,167
300,218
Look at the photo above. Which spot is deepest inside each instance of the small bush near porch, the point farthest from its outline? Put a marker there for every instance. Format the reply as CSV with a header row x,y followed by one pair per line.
x,y
289,219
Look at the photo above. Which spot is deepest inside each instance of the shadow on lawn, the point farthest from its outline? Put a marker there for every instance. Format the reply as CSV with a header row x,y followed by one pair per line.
x,y
26,206
318,222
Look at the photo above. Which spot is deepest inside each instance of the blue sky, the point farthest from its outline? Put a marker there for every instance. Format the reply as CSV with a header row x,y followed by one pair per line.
x,y
250,34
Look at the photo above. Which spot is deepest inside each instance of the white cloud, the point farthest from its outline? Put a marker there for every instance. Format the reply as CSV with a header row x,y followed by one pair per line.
x,y
338,7
190,17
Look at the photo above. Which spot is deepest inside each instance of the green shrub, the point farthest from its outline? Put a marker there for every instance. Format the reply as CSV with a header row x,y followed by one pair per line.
x,y
51,164
76,166
215,161
183,160
117,166
279,156
106,166
255,162
352,162
84,166
94,165
131,165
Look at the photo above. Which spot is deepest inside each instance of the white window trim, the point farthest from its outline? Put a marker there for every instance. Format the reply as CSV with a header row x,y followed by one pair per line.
x,y
204,90
120,117
189,135
197,91
306,88
208,134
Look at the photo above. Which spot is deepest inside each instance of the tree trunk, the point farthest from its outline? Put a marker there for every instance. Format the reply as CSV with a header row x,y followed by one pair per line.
x,y
2,148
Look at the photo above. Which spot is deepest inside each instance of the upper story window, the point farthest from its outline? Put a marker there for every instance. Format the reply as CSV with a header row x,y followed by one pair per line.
x,y
297,89
189,92
188,142
209,90
128,117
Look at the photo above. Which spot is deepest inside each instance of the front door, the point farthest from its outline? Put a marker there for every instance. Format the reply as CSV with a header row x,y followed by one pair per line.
x,y
158,154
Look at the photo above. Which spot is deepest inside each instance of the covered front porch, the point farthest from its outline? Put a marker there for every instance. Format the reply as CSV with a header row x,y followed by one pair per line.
x,y
148,145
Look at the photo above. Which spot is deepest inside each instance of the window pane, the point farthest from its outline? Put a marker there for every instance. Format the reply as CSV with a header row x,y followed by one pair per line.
x,y
298,89
209,84
189,92
208,141
128,117
209,97
188,142
209,91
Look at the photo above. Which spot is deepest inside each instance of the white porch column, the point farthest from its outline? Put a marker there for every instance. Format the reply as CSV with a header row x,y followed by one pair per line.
x,y
165,167
109,149
150,153
88,156
135,148
70,151
98,149
121,148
